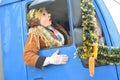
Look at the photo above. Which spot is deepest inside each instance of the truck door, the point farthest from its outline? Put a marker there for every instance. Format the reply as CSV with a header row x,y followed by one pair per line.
x,y
55,72
101,71
11,42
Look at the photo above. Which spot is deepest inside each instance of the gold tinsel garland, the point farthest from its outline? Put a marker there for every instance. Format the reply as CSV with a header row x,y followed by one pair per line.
x,y
109,55
102,53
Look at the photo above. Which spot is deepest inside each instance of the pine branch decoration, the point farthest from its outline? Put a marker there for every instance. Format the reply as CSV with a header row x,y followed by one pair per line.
x,y
106,55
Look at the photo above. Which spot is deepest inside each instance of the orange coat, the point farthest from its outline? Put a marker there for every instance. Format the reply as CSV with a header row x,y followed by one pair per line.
x,y
31,48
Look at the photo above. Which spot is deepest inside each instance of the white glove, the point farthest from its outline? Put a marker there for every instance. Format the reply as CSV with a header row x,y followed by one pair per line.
x,y
56,59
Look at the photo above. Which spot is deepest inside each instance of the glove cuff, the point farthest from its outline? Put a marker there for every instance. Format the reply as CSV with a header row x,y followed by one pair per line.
x,y
47,61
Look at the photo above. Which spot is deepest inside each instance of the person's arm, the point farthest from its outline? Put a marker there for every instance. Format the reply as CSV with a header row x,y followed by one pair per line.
x,y
31,49
32,58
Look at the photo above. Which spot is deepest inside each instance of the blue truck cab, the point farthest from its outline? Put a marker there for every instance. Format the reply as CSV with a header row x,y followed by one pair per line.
x,y
13,35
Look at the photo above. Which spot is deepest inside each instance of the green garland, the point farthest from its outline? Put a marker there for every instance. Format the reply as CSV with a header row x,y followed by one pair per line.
x,y
105,55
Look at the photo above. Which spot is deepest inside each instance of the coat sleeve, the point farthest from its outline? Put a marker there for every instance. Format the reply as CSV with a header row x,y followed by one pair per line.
x,y
31,50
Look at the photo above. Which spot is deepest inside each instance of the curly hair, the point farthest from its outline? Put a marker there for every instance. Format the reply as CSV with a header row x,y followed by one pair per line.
x,y
33,17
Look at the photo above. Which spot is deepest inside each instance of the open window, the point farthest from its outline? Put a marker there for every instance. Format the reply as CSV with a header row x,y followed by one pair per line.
x,y
77,21
59,14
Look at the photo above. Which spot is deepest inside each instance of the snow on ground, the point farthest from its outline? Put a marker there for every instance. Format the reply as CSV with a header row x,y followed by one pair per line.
x,y
114,9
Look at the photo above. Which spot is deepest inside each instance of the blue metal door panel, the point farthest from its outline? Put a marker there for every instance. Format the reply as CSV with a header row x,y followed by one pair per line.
x,y
12,42
73,70
4,2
